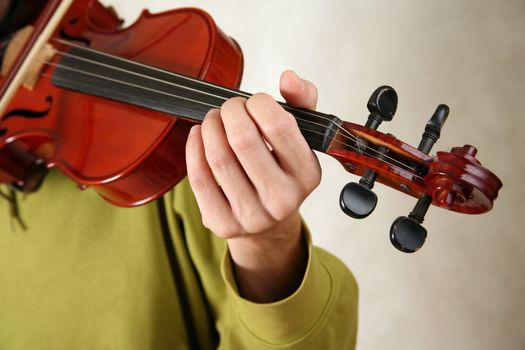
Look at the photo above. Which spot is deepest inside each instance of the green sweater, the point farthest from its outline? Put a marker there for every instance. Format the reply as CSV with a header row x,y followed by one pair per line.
x,y
88,275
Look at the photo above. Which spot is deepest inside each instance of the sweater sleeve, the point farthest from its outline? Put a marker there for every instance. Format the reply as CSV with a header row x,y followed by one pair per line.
x,y
321,313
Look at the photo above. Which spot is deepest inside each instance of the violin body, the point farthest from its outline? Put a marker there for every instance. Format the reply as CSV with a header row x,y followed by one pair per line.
x,y
111,107
130,155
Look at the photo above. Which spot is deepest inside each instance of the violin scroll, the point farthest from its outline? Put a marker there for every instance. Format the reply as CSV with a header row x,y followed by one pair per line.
x,y
453,180
459,182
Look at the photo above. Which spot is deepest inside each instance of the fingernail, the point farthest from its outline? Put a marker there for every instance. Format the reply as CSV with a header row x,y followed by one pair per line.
x,y
194,129
296,76
299,80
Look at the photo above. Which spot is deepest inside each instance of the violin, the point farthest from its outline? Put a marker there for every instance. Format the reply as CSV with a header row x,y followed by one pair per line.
x,y
111,108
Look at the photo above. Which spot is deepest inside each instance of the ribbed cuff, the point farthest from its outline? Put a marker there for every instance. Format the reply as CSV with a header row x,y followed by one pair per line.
x,y
293,318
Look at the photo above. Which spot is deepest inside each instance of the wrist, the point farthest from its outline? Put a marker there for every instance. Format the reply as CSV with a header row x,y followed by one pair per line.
x,y
270,265
270,246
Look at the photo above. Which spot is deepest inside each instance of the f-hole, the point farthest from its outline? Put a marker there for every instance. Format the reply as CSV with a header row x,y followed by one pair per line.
x,y
25,113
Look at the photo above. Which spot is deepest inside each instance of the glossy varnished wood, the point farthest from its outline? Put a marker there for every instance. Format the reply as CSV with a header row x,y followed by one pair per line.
x,y
130,155
455,180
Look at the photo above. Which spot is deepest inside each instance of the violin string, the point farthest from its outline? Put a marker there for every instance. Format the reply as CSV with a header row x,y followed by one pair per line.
x,y
177,96
358,149
308,138
238,92
184,77
205,83
350,136
336,141
167,93
180,76
319,135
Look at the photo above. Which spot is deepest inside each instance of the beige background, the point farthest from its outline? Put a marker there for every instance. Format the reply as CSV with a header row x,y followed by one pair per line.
x,y
465,289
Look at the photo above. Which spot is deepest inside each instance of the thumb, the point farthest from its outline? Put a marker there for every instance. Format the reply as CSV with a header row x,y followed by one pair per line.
x,y
298,92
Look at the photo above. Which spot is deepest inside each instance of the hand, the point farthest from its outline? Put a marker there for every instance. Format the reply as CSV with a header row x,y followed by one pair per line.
x,y
249,194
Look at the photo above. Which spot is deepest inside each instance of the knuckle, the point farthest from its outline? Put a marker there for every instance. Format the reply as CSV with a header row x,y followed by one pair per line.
x,y
225,232
219,160
212,112
210,122
260,103
231,105
281,209
270,116
258,99
281,205
253,228
255,225
197,182
242,141
224,229
254,221
208,118
312,179
281,126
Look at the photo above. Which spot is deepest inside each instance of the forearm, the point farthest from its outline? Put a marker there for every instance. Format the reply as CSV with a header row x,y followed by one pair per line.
x,y
270,266
250,169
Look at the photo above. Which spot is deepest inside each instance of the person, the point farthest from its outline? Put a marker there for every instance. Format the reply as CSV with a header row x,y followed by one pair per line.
x,y
221,261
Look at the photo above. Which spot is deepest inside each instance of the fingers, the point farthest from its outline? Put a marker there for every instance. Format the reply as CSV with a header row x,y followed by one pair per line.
x,y
246,141
276,191
239,185
231,176
279,128
233,208
298,92
215,208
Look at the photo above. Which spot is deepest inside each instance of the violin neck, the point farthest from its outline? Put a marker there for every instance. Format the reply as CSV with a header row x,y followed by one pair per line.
x,y
88,71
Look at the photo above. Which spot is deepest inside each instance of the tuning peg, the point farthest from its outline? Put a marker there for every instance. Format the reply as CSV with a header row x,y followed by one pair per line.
x,y
357,199
382,106
433,128
406,233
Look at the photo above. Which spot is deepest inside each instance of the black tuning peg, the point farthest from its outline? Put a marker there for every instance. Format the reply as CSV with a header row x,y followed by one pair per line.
x,y
382,106
406,233
357,199
433,128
